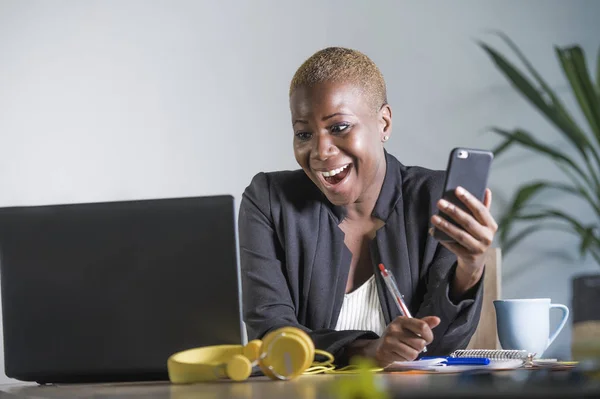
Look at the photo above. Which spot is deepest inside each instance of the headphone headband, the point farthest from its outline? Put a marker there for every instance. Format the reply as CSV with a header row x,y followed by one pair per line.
x,y
283,354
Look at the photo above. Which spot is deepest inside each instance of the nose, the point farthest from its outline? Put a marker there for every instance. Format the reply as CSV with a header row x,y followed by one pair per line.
x,y
324,147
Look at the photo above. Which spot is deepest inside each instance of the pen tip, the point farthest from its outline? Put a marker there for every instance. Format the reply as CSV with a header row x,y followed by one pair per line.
x,y
381,267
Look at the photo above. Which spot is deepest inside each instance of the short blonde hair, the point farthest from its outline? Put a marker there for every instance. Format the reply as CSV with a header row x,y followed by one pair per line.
x,y
338,64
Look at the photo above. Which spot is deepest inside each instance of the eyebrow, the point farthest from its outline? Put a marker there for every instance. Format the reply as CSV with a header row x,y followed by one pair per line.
x,y
336,114
300,121
323,119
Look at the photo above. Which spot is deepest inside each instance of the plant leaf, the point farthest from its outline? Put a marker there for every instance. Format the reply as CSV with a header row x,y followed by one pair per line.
x,y
502,147
575,68
526,192
576,190
598,74
522,84
510,243
587,239
596,256
560,215
520,199
576,181
550,213
526,139
558,105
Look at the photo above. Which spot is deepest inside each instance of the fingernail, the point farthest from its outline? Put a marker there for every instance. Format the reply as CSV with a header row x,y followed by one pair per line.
x,y
436,219
460,191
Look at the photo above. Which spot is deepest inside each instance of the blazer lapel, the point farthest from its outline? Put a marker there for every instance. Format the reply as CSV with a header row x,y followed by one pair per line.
x,y
390,246
329,276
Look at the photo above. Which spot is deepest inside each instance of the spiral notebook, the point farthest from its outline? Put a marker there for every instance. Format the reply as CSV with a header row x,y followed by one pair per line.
x,y
529,360
495,354
499,360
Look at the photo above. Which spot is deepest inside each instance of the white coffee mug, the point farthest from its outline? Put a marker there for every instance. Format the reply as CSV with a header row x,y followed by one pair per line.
x,y
524,324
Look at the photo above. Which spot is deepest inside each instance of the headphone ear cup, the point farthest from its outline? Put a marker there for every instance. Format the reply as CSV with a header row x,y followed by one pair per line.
x,y
306,340
264,347
289,352
239,368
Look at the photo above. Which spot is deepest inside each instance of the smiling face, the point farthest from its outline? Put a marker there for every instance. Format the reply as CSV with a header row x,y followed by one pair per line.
x,y
338,140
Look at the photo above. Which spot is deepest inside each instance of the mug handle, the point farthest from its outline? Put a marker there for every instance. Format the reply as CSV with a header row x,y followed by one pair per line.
x,y
562,323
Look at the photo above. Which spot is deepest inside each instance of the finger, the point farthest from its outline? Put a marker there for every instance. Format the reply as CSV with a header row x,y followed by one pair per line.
x,y
414,326
479,210
432,321
487,199
407,336
407,352
391,350
394,350
416,343
468,222
423,331
459,235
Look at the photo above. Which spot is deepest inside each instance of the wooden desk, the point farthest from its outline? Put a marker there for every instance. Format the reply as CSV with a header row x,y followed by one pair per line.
x,y
514,384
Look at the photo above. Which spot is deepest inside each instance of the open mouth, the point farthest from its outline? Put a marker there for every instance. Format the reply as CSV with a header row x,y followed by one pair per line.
x,y
336,176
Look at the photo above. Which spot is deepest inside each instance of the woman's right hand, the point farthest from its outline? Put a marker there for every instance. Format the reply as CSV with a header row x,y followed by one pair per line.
x,y
403,340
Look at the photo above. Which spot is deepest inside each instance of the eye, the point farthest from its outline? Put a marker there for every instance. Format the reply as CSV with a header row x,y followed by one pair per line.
x,y
340,127
303,136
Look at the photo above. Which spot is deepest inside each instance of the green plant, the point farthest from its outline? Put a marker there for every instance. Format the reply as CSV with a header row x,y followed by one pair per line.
x,y
582,170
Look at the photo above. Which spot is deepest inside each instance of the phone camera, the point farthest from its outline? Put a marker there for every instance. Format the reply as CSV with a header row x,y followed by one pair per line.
x,y
463,154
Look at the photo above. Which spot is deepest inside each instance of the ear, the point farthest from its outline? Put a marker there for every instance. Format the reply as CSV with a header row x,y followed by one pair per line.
x,y
385,122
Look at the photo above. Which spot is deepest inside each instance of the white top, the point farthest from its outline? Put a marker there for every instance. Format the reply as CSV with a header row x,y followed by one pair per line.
x,y
361,310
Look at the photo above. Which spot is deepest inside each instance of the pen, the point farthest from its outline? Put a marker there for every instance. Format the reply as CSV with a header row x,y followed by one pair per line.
x,y
393,288
462,361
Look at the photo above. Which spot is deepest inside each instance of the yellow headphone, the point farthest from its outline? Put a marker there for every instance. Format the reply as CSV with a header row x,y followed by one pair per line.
x,y
283,354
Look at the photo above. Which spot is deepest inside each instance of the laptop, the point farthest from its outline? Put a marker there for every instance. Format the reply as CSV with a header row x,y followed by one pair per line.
x,y
106,292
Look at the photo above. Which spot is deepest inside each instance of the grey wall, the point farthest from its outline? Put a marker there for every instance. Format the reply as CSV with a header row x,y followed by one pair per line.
x,y
114,100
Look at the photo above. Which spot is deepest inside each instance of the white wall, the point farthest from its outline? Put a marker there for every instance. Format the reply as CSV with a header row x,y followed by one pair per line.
x,y
114,100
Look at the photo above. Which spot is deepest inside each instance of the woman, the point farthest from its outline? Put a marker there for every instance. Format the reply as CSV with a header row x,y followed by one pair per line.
x,y
311,239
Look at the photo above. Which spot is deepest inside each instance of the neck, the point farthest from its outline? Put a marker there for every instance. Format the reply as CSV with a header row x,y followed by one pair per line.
x,y
363,207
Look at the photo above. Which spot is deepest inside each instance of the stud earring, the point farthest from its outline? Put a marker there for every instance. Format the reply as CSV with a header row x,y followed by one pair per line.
x,y
385,138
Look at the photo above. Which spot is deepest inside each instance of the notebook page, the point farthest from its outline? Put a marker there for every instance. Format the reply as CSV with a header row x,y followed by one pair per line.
x,y
436,365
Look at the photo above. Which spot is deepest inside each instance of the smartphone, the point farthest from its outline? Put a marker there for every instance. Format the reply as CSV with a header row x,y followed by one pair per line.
x,y
468,168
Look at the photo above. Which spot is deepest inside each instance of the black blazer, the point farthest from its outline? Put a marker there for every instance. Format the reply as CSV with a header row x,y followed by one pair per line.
x,y
295,264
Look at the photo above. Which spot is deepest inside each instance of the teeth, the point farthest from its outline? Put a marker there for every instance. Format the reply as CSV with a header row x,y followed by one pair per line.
x,y
334,171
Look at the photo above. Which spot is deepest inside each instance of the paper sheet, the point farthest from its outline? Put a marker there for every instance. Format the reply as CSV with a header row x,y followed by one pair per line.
x,y
436,365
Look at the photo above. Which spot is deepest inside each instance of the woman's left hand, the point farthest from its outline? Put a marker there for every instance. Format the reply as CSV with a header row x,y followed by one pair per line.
x,y
472,240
